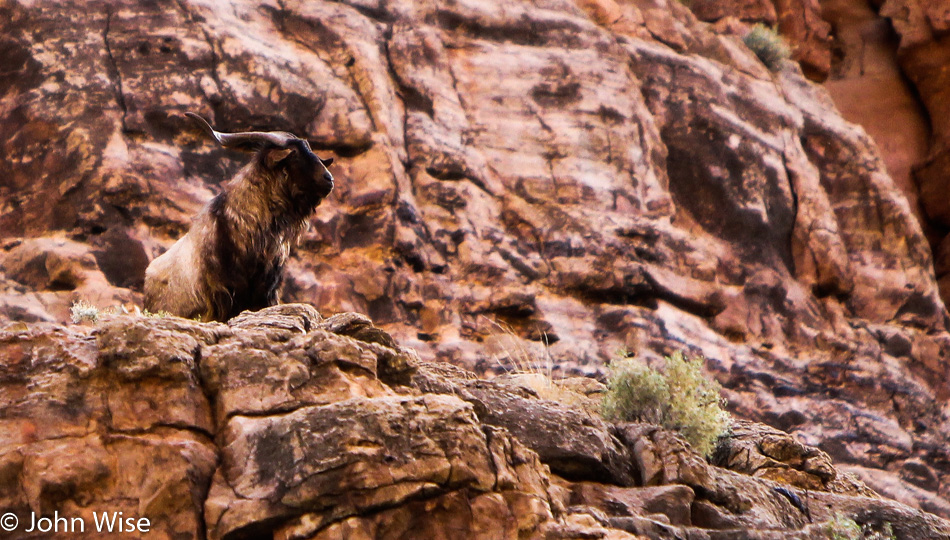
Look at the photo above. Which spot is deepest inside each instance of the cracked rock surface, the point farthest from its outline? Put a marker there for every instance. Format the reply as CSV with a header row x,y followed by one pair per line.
x,y
566,178
277,426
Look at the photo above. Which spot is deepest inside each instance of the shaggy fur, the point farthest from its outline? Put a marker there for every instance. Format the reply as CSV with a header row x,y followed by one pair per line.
x,y
232,258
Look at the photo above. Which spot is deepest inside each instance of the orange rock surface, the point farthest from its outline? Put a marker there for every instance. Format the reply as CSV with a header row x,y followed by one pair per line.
x,y
558,179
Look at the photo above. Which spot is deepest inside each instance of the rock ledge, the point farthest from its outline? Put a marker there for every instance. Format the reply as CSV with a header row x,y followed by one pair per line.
x,y
286,424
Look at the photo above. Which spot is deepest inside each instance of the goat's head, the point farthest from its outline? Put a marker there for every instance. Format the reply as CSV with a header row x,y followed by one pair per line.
x,y
279,150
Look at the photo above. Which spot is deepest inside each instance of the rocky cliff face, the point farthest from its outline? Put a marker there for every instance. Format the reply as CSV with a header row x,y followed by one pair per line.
x,y
870,88
924,53
284,424
802,22
559,179
884,63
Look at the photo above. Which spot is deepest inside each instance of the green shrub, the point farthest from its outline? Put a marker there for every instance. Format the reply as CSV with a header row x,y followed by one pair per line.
x,y
843,528
886,533
678,398
768,46
840,527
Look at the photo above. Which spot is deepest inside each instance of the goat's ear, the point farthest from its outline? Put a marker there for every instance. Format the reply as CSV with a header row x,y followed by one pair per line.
x,y
327,162
276,155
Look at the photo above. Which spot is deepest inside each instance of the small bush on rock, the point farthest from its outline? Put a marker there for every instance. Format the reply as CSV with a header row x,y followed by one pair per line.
x,y
680,398
843,528
768,46
840,527
82,311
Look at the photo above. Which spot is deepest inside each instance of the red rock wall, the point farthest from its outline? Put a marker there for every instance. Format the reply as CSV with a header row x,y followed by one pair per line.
x,y
870,89
282,424
593,176
885,65
924,54
892,80
800,22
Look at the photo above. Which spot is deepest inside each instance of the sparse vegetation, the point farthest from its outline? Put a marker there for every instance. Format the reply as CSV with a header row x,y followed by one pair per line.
x,y
845,528
886,534
680,398
82,311
768,46
534,369
514,357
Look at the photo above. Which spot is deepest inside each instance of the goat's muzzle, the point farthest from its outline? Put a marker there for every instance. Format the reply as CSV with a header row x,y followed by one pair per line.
x,y
325,184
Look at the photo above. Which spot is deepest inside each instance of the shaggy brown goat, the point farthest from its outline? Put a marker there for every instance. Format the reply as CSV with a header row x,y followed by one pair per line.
x,y
233,256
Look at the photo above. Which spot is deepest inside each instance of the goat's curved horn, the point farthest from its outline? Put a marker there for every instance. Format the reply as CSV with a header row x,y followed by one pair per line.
x,y
244,138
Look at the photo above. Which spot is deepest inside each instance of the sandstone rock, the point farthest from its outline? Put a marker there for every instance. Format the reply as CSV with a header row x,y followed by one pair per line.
x,y
89,425
871,89
49,264
448,516
60,271
764,452
305,441
672,501
922,54
893,486
374,453
19,303
755,10
611,174
587,449
252,375
294,318
800,22
662,457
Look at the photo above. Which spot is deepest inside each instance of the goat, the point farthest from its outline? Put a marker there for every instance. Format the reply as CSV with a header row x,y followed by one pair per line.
x,y
233,256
